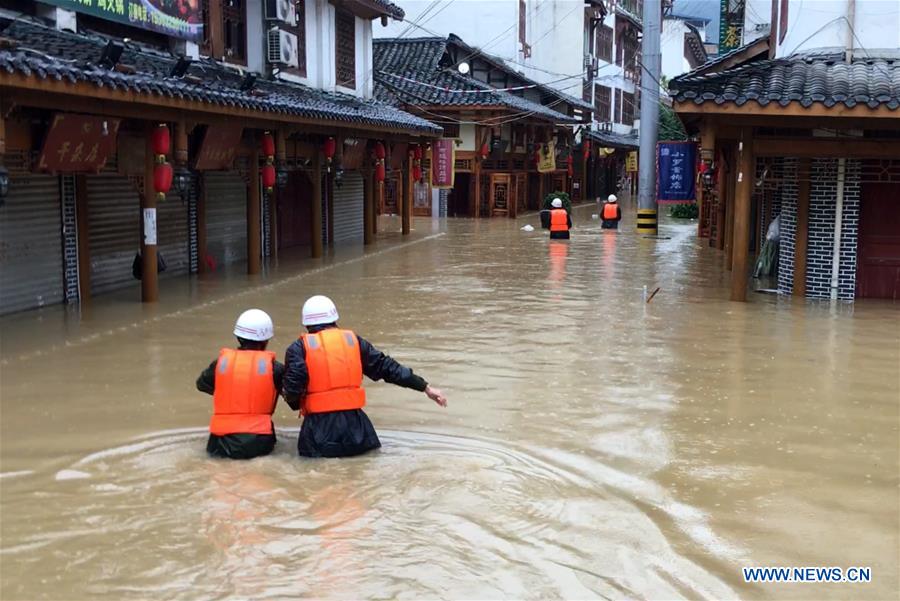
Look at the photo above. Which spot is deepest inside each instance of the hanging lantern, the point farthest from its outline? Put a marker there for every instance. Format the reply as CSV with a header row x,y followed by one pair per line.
x,y
417,152
417,173
160,141
162,179
379,151
485,150
379,172
268,145
328,149
269,177
569,169
587,149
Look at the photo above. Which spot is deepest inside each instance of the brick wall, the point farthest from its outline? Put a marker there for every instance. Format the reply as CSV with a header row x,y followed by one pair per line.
x,y
788,200
70,238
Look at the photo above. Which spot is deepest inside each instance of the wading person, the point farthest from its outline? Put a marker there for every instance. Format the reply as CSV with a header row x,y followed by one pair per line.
x,y
323,380
560,222
245,383
612,213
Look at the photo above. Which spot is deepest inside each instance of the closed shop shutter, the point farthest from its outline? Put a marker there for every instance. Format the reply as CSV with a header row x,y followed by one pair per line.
x,y
114,209
172,228
226,217
31,262
348,209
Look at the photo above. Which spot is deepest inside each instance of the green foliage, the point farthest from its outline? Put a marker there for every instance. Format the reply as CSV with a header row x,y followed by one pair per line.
x,y
567,202
686,210
670,126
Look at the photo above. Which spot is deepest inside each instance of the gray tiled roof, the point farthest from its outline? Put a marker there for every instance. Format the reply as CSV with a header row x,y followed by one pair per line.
x,y
807,78
419,59
613,140
391,9
45,53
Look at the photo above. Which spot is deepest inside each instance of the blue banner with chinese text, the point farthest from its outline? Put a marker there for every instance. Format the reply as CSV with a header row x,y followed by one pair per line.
x,y
676,164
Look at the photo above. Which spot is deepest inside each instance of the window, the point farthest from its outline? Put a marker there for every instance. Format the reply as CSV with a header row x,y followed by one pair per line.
x,y
345,49
618,108
603,103
451,130
605,44
627,108
234,29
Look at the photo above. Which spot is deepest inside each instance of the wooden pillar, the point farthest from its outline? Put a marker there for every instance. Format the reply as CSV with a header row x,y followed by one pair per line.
x,y
476,200
82,219
742,223
254,245
368,207
406,210
201,226
181,144
315,223
149,275
802,235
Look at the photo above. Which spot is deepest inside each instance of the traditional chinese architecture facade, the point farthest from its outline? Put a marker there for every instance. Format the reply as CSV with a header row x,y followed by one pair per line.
x,y
804,123
512,137
236,132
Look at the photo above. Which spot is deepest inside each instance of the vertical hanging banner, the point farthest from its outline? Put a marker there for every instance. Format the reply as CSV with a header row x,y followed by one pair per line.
x,y
675,168
631,162
731,24
547,162
443,159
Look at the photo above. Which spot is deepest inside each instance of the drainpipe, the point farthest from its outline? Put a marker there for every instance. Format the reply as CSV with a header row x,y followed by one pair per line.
x,y
838,220
851,24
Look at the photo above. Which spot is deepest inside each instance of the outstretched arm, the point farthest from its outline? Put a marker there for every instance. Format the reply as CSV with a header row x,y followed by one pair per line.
x,y
207,380
378,366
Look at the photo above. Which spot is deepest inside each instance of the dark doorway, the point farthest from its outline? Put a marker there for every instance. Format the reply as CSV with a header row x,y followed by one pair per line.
x,y
458,201
295,211
878,259
534,191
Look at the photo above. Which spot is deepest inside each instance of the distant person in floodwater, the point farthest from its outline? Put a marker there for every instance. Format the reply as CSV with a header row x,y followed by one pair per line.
x,y
245,384
612,213
560,221
323,380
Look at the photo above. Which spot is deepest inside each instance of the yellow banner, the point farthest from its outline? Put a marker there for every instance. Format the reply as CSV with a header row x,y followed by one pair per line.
x,y
631,162
548,158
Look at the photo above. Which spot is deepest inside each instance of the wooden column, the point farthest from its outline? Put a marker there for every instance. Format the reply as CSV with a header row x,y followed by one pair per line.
x,y
802,235
406,211
254,246
149,275
201,226
315,223
476,200
742,222
368,206
82,219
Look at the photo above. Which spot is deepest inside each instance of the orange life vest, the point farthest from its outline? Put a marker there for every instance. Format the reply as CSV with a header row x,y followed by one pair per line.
x,y
559,220
244,396
335,372
610,212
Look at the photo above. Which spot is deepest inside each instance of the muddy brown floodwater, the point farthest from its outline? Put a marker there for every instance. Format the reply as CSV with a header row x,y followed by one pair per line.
x,y
594,447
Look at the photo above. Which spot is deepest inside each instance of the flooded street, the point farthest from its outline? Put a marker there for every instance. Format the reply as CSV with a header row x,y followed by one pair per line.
x,y
594,446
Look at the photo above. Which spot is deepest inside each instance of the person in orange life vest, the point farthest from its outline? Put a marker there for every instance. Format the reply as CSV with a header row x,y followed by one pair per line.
x,y
323,380
560,222
245,384
612,213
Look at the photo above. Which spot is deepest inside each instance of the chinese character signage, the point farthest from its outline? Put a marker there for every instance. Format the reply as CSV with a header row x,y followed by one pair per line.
x,y
77,143
676,162
443,158
631,162
547,161
219,148
731,24
176,18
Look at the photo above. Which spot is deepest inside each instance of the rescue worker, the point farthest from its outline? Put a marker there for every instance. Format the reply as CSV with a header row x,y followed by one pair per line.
x,y
560,222
323,380
245,384
612,213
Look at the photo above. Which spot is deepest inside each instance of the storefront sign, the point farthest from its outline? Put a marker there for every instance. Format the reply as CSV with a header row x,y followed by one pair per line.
x,y
443,159
731,24
676,163
631,162
176,18
220,143
149,227
547,162
76,143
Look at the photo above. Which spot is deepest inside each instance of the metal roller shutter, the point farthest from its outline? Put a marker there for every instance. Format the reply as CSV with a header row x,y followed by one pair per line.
x,y
348,209
226,217
114,209
172,218
31,262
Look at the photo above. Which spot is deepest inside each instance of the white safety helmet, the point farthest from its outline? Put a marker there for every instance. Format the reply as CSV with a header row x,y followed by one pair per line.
x,y
556,203
612,198
254,324
319,310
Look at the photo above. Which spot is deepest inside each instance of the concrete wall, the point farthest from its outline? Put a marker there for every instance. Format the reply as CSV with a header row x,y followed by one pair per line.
x,y
674,62
824,24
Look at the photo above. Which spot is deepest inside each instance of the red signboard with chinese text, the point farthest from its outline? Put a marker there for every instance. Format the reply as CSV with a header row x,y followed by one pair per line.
x,y
220,144
443,157
76,143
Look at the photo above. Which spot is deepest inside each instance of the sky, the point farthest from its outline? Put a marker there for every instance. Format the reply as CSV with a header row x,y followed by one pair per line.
x,y
708,9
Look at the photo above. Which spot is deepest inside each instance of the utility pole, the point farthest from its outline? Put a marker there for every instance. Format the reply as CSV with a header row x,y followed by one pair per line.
x,y
647,217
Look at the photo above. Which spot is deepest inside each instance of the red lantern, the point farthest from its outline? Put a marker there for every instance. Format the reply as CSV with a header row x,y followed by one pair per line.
x,y
160,140
162,179
268,145
569,169
379,172
587,149
379,151
417,173
417,152
268,177
485,150
328,148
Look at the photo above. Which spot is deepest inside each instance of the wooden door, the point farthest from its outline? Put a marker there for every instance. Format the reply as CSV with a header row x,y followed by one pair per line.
x,y
500,195
878,258
295,211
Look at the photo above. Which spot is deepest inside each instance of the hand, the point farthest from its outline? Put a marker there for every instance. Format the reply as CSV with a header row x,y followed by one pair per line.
x,y
435,395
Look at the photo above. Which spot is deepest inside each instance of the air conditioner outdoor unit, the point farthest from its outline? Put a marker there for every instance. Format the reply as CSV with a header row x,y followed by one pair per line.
x,y
282,48
282,10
